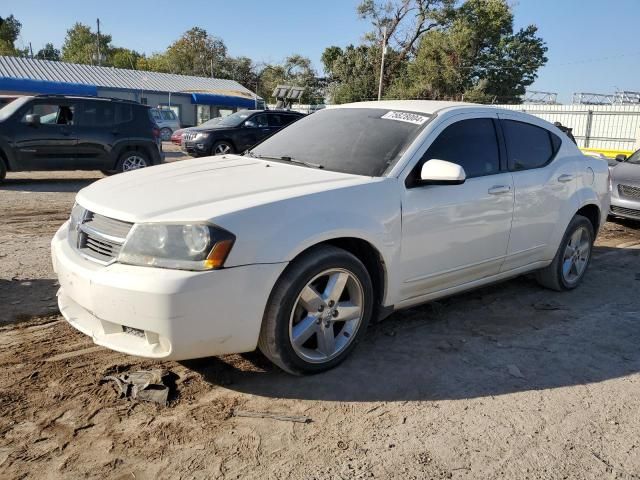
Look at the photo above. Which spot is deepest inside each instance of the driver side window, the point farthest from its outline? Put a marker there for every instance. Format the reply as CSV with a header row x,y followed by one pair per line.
x,y
472,144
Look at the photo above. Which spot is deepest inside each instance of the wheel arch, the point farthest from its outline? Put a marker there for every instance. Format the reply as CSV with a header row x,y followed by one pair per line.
x,y
370,257
592,212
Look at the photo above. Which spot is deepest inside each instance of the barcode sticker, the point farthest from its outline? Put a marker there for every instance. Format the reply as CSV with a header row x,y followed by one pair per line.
x,y
405,117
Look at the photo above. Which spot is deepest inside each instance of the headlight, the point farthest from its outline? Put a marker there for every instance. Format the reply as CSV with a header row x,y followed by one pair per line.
x,y
77,216
195,246
202,135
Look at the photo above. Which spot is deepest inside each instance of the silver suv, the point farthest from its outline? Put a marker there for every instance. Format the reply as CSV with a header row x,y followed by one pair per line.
x,y
167,121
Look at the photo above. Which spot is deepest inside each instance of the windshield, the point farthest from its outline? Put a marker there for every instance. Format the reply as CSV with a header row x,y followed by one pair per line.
x,y
635,158
235,119
362,141
209,123
11,108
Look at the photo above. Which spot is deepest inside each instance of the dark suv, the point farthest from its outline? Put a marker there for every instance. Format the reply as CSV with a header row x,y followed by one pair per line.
x,y
236,132
55,132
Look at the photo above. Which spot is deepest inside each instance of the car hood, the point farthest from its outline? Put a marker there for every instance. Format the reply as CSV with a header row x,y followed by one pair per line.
x,y
628,172
201,189
212,128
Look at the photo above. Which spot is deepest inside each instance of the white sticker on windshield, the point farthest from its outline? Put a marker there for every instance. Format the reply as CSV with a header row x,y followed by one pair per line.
x,y
405,117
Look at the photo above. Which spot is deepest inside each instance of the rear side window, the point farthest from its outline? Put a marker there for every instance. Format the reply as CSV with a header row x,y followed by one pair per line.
x,y
124,113
472,144
528,146
276,120
98,114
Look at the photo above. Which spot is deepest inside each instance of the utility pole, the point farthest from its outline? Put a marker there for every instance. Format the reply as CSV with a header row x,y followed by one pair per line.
x,y
31,50
384,52
99,59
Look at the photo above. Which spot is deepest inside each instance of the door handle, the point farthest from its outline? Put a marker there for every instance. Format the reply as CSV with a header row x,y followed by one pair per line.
x,y
564,178
499,189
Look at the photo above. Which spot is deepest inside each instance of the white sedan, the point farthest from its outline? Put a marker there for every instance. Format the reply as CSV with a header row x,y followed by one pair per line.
x,y
344,216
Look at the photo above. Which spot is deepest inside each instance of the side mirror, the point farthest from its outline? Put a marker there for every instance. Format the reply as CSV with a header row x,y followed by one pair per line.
x,y
621,158
250,124
441,172
32,119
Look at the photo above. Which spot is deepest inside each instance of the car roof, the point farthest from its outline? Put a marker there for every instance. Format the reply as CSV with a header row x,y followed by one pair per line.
x,y
84,97
428,107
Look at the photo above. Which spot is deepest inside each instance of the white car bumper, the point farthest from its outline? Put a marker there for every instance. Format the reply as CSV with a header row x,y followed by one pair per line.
x,y
161,313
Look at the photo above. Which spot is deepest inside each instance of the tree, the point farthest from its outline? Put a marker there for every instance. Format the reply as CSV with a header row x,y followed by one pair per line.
x,y
405,21
352,72
478,56
295,70
49,52
123,58
81,45
9,33
196,53
242,70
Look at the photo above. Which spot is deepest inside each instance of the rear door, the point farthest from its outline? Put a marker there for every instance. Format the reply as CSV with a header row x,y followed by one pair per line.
x,y
541,185
97,134
50,145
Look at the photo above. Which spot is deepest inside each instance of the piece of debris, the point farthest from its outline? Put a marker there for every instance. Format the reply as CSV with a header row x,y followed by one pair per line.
x,y
145,385
548,306
514,371
274,416
343,445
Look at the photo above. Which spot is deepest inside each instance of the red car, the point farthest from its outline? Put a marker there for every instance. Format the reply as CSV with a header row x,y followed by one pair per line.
x,y
176,137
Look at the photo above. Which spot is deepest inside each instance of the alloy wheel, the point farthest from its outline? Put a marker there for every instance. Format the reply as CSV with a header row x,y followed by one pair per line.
x,y
326,315
133,162
576,255
221,149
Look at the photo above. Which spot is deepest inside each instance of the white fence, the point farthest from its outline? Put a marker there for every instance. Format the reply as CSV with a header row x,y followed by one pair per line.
x,y
607,127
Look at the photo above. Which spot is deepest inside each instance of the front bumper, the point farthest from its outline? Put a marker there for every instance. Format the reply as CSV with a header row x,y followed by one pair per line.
x,y
624,206
161,313
197,148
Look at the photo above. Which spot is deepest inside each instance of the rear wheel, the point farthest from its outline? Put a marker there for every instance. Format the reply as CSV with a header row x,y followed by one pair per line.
x,y
572,258
318,310
133,160
222,148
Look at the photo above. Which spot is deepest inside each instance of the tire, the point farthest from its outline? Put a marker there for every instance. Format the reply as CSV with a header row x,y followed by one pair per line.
x,y
324,338
132,160
3,169
570,265
165,134
222,148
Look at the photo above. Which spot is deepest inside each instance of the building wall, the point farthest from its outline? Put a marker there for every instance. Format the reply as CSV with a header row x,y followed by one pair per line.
x,y
605,127
187,109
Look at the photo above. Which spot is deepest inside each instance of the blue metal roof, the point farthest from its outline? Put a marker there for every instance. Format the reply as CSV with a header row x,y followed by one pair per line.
x,y
221,100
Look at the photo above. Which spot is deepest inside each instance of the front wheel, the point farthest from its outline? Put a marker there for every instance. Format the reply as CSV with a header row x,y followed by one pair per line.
x,y
572,258
221,148
318,310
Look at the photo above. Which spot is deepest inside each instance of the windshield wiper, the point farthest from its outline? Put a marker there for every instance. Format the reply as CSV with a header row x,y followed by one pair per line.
x,y
285,158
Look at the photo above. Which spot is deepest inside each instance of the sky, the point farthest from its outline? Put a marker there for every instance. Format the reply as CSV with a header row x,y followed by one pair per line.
x,y
593,44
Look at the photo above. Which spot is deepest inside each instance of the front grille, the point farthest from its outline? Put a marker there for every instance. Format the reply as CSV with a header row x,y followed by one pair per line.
x,y
100,237
629,191
188,136
627,212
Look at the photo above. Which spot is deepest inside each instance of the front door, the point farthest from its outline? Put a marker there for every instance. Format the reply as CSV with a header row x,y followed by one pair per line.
x,y
51,144
253,131
455,234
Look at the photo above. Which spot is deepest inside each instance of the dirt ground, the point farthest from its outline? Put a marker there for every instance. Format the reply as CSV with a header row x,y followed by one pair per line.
x,y
510,381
